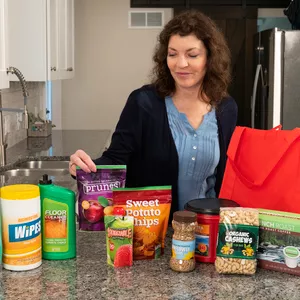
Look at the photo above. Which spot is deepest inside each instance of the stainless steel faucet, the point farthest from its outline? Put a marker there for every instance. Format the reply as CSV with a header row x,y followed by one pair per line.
x,y
3,139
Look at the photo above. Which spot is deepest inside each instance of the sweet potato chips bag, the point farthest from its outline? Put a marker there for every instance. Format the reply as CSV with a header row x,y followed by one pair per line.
x,y
95,194
150,207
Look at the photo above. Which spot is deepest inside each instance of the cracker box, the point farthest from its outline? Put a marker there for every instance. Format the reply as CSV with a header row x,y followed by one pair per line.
x,y
279,241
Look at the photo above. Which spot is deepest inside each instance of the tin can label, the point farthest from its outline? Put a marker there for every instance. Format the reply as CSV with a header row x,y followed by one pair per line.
x,y
202,245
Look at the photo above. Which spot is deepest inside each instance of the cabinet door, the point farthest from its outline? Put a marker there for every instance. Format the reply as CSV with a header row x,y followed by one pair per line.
x,y
27,39
4,79
158,3
66,39
139,3
70,39
167,3
52,38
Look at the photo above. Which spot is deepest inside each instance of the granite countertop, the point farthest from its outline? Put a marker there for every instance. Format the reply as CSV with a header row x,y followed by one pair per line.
x,y
89,277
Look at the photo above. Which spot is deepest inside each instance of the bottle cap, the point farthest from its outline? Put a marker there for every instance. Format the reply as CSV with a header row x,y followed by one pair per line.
x,y
185,216
45,180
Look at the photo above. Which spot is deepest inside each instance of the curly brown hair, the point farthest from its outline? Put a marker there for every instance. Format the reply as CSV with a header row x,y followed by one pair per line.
x,y
218,73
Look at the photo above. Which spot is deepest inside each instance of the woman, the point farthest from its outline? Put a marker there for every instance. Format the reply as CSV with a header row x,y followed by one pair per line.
x,y
176,131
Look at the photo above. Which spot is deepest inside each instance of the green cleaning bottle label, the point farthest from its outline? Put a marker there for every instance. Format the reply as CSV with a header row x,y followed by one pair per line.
x,y
55,216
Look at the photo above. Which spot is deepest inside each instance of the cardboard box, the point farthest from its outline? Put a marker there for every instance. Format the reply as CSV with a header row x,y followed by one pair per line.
x,y
279,241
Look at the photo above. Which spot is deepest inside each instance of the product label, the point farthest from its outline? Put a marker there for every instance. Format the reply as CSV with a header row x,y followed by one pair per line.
x,y
24,231
203,229
202,245
119,237
279,241
55,226
237,241
150,208
184,250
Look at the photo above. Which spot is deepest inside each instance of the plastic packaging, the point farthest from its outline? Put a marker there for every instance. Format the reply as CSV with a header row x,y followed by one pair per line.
x,y
150,207
183,242
119,236
21,224
237,241
95,194
208,216
58,220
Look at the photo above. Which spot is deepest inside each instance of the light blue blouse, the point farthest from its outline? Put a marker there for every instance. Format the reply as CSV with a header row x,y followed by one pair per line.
x,y
198,152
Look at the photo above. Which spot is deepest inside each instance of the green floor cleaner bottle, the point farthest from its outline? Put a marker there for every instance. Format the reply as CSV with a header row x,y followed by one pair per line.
x,y
58,220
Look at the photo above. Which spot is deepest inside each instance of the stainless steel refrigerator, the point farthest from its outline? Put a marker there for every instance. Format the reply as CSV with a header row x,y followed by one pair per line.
x,y
276,89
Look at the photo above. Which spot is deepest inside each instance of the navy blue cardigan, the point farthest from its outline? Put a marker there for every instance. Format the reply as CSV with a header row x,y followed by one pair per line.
x,y
143,141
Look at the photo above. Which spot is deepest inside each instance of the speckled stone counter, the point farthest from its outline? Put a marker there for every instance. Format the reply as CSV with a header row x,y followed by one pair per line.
x,y
89,277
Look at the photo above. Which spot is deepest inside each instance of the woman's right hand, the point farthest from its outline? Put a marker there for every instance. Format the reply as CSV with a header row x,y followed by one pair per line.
x,y
82,160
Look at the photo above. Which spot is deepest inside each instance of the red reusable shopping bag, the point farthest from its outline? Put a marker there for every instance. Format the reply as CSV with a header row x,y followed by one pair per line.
x,y
263,169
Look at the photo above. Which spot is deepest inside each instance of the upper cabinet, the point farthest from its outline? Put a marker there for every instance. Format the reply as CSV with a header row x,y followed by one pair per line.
x,y
199,3
4,78
157,3
41,38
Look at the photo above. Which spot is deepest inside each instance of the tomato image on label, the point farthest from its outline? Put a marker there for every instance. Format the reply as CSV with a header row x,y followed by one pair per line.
x,y
123,256
202,248
119,211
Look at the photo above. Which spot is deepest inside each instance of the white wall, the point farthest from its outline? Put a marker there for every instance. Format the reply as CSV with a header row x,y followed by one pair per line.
x,y
110,61
271,13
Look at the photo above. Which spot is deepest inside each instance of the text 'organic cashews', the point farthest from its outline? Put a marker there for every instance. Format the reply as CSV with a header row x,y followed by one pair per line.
x,y
237,241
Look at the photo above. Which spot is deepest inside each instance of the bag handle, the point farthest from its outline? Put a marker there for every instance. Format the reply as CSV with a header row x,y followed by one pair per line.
x,y
234,146
235,139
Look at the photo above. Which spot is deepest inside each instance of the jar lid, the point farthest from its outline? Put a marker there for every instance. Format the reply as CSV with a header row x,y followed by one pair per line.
x,y
209,206
184,216
20,192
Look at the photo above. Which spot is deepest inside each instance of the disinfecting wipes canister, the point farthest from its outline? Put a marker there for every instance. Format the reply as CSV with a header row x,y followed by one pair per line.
x,y
21,227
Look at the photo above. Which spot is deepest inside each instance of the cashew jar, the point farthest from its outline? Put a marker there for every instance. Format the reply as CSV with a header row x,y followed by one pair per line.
x,y
237,241
183,242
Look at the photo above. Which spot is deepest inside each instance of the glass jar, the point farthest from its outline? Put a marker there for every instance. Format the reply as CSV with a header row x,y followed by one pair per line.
x,y
183,242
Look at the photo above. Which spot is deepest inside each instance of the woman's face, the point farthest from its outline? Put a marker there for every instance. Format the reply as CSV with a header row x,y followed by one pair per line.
x,y
187,57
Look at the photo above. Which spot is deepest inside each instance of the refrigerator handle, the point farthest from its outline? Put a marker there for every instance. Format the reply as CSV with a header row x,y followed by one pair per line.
x,y
253,97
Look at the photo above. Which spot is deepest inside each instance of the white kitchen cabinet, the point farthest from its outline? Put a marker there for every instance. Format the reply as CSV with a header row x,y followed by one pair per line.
x,y
41,38
4,78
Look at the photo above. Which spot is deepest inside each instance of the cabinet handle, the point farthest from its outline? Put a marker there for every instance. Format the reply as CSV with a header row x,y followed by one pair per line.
x,y
53,69
70,69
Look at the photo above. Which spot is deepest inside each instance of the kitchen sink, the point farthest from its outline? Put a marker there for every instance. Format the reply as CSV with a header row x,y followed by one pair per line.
x,y
44,164
32,171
